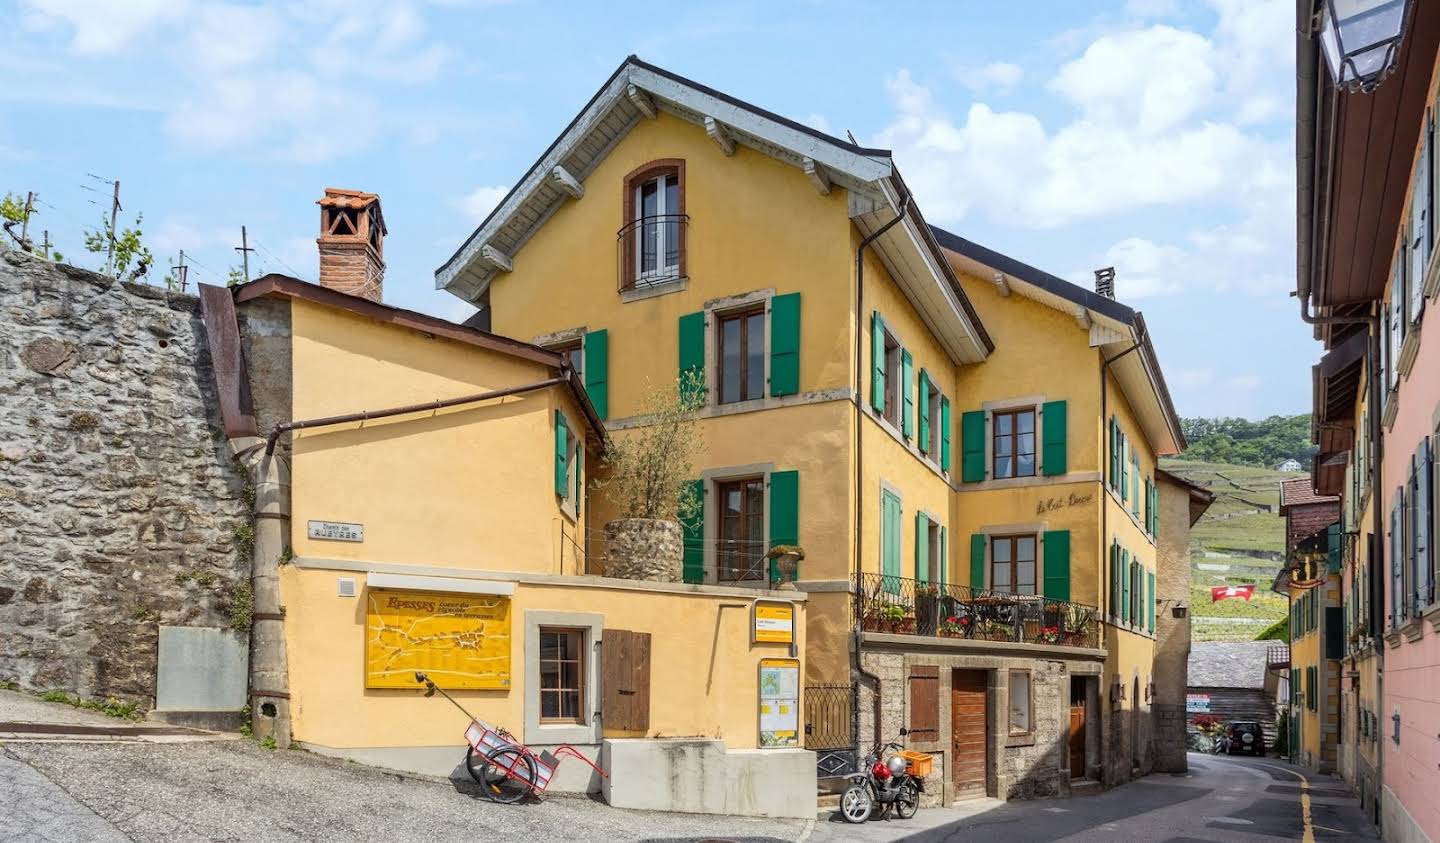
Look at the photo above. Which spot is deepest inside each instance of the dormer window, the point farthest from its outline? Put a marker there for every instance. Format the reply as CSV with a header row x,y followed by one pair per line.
x,y
652,241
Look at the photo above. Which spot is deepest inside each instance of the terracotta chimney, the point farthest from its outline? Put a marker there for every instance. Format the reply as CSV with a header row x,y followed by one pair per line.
x,y
352,243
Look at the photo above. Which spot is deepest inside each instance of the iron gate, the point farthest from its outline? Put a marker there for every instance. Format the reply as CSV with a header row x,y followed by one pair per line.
x,y
828,709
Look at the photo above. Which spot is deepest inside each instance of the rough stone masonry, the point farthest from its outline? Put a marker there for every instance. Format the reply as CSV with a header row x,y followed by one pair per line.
x,y
119,507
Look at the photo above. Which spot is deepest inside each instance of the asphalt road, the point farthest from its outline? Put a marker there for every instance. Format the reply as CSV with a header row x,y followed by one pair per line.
x,y
1220,799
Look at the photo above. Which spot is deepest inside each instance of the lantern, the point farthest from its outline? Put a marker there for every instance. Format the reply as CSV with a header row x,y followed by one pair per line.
x,y
1361,39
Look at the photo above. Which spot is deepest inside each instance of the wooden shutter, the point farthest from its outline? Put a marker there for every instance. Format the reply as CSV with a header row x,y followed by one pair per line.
x,y
1125,585
579,475
907,391
1055,426
1150,598
1427,523
924,702
1057,565
1396,585
1334,535
625,678
877,361
562,455
1424,541
924,406
597,371
922,548
944,557
1135,483
784,512
890,541
972,446
1114,579
693,568
1334,632
1114,454
977,562
944,433
692,349
785,344
1124,469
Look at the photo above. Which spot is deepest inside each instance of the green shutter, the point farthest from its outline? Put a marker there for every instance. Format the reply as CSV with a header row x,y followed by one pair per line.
x,y
1057,565
1150,599
877,361
944,433
785,344
1114,454
1334,632
890,542
597,371
972,446
1154,509
922,548
692,348
1114,580
1053,420
907,389
694,526
924,407
977,562
579,475
1334,537
784,512
1125,578
1134,483
944,557
562,454
1124,470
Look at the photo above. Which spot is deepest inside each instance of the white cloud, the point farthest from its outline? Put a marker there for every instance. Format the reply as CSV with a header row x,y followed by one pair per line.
x,y
1151,79
99,27
1143,269
997,77
1151,8
222,36
478,203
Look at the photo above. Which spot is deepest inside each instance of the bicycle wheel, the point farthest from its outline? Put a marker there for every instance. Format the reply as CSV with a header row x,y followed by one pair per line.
x,y
506,775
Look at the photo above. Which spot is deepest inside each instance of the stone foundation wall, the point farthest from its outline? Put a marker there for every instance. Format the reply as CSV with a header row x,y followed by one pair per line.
x,y
120,510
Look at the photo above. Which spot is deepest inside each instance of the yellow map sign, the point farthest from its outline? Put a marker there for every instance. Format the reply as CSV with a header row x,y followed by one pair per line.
x,y
460,640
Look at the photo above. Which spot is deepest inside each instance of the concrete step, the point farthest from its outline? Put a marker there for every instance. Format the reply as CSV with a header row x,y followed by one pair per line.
x,y
1085,787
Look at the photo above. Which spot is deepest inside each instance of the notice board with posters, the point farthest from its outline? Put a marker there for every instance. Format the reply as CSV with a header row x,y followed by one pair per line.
x,y
461,641
779,702
772,622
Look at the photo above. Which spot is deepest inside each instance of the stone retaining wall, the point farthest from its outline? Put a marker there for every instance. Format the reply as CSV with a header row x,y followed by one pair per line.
x,y
120,510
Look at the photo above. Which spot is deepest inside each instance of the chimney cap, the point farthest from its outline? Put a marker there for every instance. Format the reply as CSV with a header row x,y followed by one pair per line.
x,y
1105,282
341,197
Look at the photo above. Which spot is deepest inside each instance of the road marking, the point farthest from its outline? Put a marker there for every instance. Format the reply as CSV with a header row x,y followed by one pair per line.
x,y
1309,836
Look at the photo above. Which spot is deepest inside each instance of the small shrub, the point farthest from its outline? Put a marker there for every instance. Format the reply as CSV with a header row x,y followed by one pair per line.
x,y
205,578
242,608
57,696
244,537
246,728
247,494
7,685
287,555
650,469
184,577
269,742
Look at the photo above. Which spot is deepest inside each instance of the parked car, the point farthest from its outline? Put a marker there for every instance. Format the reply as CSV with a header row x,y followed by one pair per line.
x,y
1245,736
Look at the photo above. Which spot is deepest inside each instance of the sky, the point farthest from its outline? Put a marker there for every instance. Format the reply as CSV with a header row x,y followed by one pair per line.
x,y
1155,136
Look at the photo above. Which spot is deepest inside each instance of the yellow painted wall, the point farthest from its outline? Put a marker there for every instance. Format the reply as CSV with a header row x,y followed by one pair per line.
x,y
1304,654
470,486
755,223
703,667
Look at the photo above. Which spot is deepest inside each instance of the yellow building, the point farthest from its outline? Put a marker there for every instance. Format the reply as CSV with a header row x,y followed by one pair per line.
x,y
964,445
437,520
1314,541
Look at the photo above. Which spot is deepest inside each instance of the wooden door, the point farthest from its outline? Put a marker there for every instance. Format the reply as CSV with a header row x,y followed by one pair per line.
x,y
1077,740
968,744
625,684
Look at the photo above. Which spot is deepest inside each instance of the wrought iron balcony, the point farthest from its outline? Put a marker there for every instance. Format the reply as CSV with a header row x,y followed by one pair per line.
x,y
651,250
907,607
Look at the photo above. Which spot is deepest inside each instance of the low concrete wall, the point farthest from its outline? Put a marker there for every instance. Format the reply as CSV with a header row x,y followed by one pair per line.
x,y
201,669
701,776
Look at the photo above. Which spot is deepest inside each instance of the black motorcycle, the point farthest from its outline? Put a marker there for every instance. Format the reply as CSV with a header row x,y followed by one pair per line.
x,y
884,782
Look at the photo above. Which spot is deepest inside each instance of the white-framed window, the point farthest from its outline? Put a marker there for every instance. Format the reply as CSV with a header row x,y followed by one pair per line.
x,y
562,666
657,209
1013,442
931,409
894,382
935,548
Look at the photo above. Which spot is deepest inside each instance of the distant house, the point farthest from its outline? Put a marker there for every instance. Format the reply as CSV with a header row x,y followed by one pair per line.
x,y
1291,464
1232,681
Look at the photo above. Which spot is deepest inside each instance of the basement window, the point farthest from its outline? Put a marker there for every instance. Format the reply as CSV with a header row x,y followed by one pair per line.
x,y
1022,703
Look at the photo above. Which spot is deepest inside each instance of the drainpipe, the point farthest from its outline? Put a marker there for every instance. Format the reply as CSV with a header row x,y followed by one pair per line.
x,y
269,672
857,667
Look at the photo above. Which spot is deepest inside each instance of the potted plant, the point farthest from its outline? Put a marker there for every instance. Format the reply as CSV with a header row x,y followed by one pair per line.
x,y
785,562
648,475
954,626
1048,635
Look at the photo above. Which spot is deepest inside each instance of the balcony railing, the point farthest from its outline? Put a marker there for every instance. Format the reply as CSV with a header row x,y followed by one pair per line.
x,y
651,250
907,607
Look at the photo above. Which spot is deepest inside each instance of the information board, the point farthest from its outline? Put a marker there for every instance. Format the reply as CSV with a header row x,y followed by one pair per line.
x,y
779,702
460,641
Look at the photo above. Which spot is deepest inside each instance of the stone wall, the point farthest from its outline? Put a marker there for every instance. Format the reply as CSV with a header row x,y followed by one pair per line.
x,y
1172,634
120,510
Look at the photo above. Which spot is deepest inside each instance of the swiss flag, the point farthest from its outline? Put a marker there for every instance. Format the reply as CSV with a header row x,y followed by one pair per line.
x,y
1223,592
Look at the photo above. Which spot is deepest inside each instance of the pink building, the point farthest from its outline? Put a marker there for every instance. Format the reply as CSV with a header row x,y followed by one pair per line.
x,y
1368,279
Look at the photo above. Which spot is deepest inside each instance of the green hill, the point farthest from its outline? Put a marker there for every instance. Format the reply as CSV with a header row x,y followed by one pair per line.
x,y
1264,443
1240,540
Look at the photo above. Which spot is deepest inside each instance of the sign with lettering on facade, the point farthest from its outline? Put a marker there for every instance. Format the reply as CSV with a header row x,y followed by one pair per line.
x,y
1197,703
773,622
459,640
338,531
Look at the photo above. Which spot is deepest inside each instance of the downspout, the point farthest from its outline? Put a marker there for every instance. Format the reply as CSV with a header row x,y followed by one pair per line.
x,y
857,667
269,666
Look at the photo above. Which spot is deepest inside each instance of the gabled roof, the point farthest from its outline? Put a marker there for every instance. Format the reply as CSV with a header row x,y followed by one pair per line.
x,y
1301,492
284,286
1227,664
1114,327
1200,497
638,90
